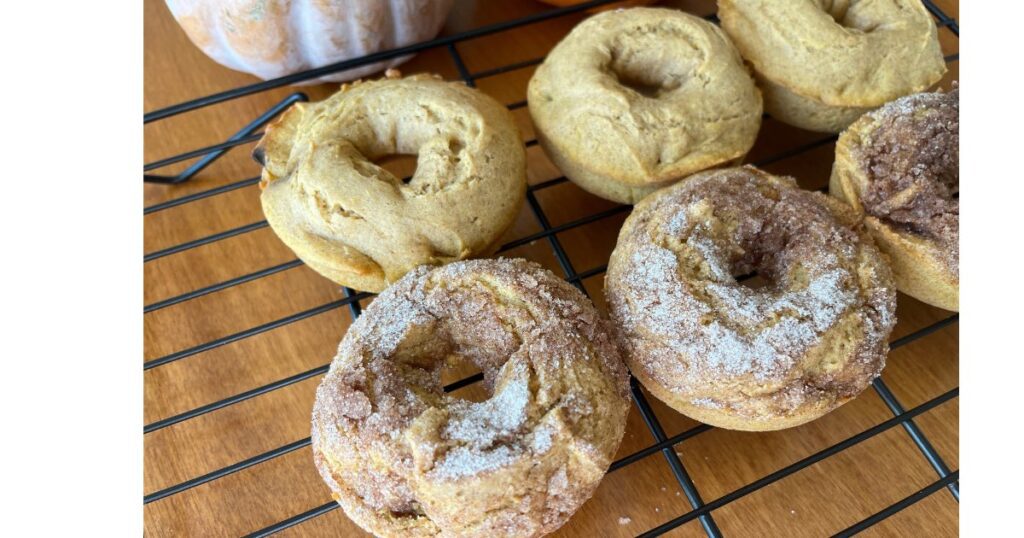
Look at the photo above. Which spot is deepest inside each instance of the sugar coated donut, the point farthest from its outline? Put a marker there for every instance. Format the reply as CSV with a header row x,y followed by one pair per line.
x,y
735,355
405,459
634,99
359,225
899,168
823,63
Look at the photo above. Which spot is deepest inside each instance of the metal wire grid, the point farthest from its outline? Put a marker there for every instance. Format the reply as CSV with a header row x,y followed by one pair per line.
x,y
701,510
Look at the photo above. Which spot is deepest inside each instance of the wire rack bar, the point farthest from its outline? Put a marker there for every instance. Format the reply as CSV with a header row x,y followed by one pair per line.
x,y
941,324
244,134
241,335
674,461
916,435
294,520
230,143
231,400
900,505
944,20
803,463
200,195
220,473
220,286
204,241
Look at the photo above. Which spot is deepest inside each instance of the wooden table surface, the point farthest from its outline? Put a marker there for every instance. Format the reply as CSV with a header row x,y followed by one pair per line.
x,y
820,499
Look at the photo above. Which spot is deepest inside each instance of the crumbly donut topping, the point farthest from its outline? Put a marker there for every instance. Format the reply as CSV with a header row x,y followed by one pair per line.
x,y
691,327
400,453
912,157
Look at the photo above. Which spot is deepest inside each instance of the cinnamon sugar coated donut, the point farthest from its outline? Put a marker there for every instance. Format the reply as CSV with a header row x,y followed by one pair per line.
x,y
634,99
405,459
899,168
738,356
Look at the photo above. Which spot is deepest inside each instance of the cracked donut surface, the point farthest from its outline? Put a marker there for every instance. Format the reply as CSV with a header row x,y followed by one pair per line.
x,y
899,168
634,99
405,459
735,355
359,225
823,63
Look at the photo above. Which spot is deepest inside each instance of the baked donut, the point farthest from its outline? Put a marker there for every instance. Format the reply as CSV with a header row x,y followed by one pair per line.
x,y
359,225
823,63
405,459
634,99
738,356
899,168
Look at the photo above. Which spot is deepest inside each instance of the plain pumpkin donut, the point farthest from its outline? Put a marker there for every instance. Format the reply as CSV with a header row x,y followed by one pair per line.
x,y
899,168
634,99
823,63
405,459
359,225
737,356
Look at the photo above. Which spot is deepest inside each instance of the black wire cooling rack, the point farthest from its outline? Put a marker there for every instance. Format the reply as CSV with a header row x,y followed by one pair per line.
x,y
700,509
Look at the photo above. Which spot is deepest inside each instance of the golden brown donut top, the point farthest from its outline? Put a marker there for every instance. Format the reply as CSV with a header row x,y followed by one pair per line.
x,y
646,95
691,327
404,457
910,153
359,224
840,52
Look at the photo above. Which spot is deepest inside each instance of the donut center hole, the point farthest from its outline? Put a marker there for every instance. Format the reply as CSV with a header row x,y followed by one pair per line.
x,y
846,14
752,281
402,165
461,373
641,83
639,61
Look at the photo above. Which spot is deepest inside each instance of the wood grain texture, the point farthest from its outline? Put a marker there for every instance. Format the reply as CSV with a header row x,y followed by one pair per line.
x,y
820,499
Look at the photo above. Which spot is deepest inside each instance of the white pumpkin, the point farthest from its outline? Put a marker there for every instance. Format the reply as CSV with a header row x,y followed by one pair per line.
x,y
273,38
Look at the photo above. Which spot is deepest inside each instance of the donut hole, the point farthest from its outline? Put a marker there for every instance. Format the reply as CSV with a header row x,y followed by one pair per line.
x,y
846,14
402,165
641,83
638,61
752,281
457,368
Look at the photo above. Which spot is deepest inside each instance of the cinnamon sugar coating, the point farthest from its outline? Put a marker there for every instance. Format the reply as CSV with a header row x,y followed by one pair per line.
x,y
913,161
734,355
404,458
899,168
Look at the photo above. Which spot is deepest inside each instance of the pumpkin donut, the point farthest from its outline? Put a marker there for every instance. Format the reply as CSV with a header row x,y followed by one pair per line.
x,y
738,356
634,99
405,459
899,168
359,225
274,38
823,63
